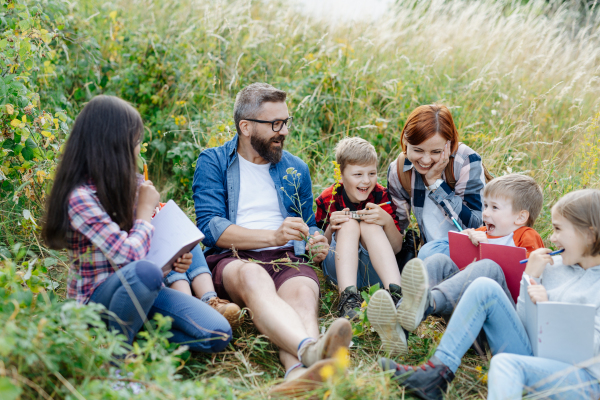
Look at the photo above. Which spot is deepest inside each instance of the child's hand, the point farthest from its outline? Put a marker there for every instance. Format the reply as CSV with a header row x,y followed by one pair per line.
x,y
337,218
537,292
183,263
317,245
538,259
148,198
476,237
373,214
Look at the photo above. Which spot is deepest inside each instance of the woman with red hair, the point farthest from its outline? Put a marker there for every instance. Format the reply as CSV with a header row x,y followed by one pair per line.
x,y
440,178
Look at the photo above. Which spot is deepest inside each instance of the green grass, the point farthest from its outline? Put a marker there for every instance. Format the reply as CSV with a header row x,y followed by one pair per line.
x,y
522,80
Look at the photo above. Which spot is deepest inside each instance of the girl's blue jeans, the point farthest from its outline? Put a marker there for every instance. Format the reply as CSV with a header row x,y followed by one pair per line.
x,y
135,293
513,369
198,266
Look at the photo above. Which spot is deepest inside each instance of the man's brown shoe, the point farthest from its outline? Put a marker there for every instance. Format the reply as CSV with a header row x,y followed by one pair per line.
x,y
338,335
230,311
302,380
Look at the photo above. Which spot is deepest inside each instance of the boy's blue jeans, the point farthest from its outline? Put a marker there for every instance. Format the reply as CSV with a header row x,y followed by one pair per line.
x,y
366,273
486,305
135,293
198,266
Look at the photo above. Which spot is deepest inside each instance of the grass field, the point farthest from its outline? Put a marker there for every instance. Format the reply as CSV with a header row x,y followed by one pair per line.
x,y
522,80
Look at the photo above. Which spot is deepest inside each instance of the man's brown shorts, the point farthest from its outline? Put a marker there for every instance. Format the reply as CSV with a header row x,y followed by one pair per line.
x,y
278,272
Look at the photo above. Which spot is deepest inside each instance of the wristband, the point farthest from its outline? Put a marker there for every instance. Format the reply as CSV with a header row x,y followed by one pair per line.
x,y
435,185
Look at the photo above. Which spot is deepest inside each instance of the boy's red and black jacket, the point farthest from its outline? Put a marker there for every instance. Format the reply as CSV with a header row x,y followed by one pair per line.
x,y
328,202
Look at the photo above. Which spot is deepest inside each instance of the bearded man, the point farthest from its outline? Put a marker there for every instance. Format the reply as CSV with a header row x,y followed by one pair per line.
x,y
253,202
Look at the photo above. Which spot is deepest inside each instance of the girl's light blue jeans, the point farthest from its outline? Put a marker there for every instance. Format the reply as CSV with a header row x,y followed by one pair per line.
x,y
514,369
198,266
440,246
135,293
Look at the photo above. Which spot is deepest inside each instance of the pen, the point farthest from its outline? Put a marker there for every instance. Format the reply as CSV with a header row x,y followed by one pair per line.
x,y
451,217
145,171
550,254
383,204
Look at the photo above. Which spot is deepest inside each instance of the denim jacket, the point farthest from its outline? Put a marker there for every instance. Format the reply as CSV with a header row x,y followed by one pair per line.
x,y
216,190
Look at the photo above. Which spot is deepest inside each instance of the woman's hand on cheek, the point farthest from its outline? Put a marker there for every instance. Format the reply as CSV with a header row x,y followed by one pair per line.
x,y
436,170
183,263
538,259
537,293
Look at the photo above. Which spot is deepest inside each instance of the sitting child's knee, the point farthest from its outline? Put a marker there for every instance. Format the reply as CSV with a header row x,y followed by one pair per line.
x,y
252,274
351,225
485,284
149,274
501,362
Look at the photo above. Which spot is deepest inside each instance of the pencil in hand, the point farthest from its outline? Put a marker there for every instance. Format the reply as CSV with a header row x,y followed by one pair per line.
x,y
145,171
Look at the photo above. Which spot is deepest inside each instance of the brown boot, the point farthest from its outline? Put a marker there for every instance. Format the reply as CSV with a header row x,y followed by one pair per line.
x,y
302,380
230,311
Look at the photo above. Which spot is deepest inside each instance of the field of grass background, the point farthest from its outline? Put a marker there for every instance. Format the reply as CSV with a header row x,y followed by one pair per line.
x,y
522,80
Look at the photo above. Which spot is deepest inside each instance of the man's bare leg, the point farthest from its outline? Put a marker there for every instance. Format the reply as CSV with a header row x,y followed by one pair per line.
x,y
248,284
302,294
381,253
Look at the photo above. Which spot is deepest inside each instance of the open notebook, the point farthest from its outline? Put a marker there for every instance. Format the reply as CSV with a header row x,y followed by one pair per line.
x,y
560,331
174,235
463,253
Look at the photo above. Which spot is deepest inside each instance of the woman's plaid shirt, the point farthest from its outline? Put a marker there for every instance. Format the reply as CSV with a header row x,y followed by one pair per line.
x,y
95,242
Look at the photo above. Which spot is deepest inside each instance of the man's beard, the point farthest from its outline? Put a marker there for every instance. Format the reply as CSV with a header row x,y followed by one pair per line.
x,y
265,149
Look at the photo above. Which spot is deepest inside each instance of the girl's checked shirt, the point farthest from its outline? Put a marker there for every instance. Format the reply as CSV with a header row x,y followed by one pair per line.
x,y
95,241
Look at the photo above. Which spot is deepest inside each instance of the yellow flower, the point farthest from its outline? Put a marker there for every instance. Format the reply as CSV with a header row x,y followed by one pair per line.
x,y
342,359
327,372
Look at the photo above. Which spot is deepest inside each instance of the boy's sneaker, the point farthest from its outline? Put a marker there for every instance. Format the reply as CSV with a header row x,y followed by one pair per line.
x,y
415,288
230,311
383,317
428,381
349,300
338,335
396,293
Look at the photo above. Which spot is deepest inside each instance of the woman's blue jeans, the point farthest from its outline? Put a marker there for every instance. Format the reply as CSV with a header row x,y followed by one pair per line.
x,y
514,368
440,246
135,293
198,266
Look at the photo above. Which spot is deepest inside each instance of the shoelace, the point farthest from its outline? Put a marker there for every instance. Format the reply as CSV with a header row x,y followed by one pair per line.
x,y
423,367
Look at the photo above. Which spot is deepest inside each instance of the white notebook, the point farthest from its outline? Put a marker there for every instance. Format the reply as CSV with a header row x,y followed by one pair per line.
x,y
560,331
174,235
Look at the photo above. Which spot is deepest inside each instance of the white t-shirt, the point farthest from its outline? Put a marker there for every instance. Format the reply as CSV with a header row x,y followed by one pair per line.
x,y
436,225
507,240
258,204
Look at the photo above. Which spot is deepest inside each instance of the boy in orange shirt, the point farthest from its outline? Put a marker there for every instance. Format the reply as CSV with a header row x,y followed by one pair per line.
x,y
434,286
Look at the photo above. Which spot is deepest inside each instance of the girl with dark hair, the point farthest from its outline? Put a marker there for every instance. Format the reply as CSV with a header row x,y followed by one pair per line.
x,y
100,210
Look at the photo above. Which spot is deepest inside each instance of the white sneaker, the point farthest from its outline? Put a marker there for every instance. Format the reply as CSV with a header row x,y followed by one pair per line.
x,y
383,316
415,291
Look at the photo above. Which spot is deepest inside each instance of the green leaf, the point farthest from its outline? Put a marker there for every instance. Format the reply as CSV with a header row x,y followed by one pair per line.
x,y
24,24
28,63
49,262
27,153
9,390
61,116
30,143
3,43
8,144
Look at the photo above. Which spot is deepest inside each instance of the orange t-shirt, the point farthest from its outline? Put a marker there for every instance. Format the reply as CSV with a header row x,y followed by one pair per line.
x,y
525,237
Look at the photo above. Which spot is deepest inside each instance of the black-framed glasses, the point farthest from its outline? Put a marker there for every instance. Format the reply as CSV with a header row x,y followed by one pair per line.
x,y
277,124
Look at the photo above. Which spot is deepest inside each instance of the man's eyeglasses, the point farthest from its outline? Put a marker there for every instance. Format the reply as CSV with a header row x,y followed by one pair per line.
x,y
276,125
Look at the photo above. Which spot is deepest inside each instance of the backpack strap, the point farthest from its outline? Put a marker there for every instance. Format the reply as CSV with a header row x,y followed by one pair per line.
x,y
404,177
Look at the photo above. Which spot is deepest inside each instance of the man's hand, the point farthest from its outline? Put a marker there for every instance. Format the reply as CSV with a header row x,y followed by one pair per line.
x,y
436,170
318,247
537,292
183,263
538,259
292,228
476,237
373,214
337,218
